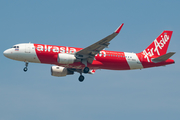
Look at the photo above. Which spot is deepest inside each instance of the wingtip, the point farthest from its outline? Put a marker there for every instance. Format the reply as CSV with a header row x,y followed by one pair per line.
x,y
119,28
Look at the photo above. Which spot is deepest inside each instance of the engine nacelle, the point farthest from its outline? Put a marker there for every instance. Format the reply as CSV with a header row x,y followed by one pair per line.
x,y
64,58
60,71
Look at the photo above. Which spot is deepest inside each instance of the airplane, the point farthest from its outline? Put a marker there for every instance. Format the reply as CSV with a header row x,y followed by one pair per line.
x,y
67,60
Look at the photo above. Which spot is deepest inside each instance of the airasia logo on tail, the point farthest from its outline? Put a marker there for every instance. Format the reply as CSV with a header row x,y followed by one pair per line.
x,y
161,44
149,52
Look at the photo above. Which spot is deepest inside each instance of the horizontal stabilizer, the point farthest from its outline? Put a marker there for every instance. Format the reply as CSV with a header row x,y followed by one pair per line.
x,y
163,57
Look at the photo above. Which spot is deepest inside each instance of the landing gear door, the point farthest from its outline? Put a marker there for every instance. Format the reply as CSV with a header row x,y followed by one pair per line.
x,y
27,48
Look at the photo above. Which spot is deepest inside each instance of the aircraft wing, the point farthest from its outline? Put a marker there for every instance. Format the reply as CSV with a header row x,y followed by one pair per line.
x,y
95,48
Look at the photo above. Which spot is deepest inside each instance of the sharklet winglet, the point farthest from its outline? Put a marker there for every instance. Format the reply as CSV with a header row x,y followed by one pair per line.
x,y
119,28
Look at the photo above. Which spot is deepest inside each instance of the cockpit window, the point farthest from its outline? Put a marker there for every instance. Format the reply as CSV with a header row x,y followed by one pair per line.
x,y
15,47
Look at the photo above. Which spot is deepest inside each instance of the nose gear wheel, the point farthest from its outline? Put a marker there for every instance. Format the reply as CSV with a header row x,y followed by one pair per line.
x,y
25,68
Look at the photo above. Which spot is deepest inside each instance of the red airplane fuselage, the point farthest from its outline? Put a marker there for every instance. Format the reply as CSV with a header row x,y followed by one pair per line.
x,y
86,60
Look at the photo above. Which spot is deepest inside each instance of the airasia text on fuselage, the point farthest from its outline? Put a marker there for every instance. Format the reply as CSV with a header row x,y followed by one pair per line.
x,y
62,49
55,49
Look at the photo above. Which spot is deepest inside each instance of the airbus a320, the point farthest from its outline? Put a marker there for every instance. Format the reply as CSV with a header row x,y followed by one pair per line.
x,y
67,60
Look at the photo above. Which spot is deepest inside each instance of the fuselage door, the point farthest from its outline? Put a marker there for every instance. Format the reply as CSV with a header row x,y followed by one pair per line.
x,y
27,48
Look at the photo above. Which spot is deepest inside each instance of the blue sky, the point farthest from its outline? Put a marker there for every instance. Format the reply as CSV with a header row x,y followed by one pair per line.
x,y
146,94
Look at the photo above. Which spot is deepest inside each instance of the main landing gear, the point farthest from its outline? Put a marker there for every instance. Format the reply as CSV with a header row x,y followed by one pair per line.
x,y
86,70
25,68
81,77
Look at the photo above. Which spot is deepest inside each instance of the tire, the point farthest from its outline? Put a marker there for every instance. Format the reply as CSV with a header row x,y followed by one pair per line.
x,y
86,70
25,69
81,78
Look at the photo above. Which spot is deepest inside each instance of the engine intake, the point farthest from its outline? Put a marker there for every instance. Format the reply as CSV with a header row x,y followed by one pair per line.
x,y
59,71
64,58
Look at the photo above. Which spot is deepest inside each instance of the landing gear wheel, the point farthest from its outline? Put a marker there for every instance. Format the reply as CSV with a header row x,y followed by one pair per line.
x,y
25,69
86,70
26,64
81,78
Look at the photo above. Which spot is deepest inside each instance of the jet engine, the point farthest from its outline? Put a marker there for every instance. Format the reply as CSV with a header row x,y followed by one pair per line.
x,y
60,71
64,58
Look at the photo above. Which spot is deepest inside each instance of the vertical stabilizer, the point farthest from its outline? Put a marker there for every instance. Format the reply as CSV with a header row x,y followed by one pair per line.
x,y
160,45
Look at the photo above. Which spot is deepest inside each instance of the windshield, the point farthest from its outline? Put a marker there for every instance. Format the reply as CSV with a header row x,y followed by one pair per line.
x,y
15,47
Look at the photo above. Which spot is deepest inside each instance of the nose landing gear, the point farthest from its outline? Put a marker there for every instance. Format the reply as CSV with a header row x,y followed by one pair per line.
x,y
25,68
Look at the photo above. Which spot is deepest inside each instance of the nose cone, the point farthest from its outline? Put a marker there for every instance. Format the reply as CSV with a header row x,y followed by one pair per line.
x,y
7,53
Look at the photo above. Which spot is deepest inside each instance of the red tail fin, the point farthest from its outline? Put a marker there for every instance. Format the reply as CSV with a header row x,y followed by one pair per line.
x,y
160,45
